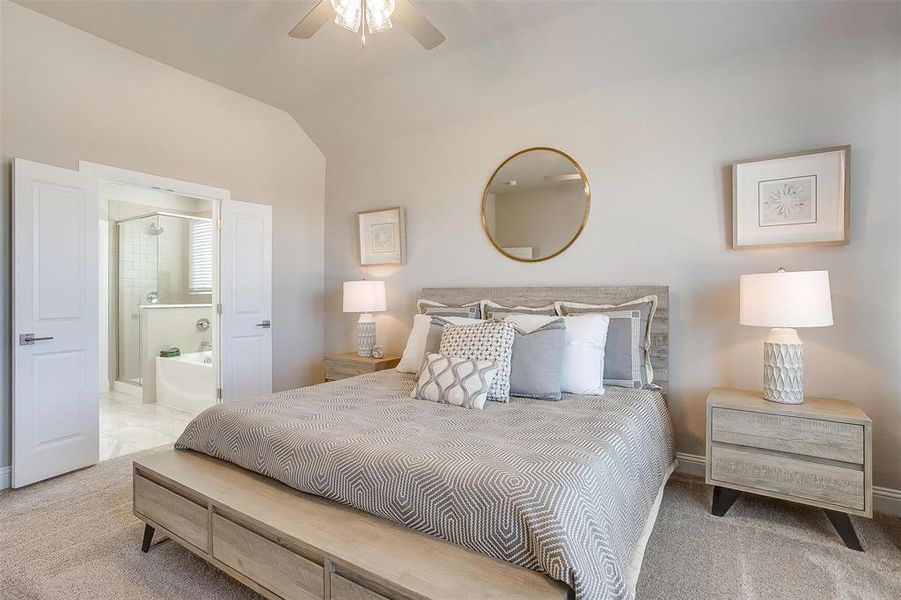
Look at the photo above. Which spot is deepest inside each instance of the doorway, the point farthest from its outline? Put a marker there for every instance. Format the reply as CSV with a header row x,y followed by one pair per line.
x,y
57,315
156,316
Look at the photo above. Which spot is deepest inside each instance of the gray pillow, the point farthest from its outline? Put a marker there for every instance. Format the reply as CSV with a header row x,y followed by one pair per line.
x,y
491,310
433,340
537,362
470,310
627,351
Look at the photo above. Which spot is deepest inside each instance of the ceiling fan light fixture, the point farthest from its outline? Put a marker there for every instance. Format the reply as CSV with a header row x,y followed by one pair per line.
x,y
349,14
378,15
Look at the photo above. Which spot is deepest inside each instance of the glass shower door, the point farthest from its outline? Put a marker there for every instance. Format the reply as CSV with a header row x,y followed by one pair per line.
x,y
138,285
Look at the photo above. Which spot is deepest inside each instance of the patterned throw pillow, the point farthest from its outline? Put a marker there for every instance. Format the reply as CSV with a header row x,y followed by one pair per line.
x,y
458,381
484,341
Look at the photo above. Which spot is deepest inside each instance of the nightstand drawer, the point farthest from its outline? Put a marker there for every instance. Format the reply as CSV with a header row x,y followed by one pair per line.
x,y
341,370
785,475
796,435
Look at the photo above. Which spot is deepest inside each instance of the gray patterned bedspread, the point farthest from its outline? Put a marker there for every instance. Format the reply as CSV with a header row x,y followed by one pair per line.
x,y
563,488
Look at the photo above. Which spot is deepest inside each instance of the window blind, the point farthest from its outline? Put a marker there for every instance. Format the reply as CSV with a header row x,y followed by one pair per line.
x,y
200,257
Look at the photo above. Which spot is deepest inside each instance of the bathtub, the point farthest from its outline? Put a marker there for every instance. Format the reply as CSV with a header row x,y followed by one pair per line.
x,y
186,382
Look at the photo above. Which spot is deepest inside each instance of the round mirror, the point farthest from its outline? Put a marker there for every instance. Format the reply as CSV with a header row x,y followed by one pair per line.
x,y
535,204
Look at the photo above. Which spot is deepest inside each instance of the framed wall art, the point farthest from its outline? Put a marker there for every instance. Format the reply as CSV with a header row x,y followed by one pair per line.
x,y
801,198
382,237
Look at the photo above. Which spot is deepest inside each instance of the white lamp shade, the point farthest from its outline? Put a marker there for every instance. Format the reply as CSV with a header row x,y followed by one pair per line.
x,y
799,299
364,296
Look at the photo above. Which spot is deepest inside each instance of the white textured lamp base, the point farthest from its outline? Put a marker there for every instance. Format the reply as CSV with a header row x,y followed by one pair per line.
x,y
783,367
365,335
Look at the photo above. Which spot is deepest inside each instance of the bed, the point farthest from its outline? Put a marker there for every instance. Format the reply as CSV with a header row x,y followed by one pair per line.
x,y
556,499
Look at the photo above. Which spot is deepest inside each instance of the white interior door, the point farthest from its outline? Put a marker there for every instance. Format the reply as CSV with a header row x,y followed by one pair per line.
x,y
246,297
55,408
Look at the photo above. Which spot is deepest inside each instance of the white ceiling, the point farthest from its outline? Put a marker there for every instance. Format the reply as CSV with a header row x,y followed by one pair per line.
x,y
499,54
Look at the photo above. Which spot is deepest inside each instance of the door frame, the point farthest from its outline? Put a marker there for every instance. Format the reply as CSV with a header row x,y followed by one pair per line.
x,y
217,196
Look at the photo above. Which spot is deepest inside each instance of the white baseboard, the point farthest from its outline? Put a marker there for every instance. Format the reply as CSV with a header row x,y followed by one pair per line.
x,y
5,477
885,500
690,464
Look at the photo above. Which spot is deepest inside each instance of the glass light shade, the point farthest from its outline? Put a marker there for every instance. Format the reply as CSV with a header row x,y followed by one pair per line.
x,y
784,299
364,296
348,14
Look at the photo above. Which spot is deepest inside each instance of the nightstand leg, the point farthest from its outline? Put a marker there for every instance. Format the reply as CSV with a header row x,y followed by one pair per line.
x,y
148,537
842,523
723,499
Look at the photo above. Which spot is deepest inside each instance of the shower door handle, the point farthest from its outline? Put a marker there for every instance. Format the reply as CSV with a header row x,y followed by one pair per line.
x,y
28,339
265,324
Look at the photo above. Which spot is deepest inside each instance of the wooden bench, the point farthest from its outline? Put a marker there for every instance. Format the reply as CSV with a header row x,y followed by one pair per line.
x,y
286,544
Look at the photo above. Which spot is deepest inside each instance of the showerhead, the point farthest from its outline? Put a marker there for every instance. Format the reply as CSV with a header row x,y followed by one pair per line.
x,y
154,229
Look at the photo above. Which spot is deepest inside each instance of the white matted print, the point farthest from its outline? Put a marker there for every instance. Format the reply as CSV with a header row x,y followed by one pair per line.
x,y
382,237
791,201
800,198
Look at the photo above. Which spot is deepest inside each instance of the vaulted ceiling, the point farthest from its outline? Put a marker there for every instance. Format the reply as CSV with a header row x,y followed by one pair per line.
x,y
499,54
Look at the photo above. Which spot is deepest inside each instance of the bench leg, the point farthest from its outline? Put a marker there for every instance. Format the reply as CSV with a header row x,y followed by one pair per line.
x,y
148,537
723,499
842,523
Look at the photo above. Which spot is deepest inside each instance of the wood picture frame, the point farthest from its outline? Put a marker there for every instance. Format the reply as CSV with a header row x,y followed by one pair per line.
x,y
381,237
793,199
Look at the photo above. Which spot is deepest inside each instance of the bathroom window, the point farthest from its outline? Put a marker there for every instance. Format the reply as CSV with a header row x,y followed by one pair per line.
x,y
200,256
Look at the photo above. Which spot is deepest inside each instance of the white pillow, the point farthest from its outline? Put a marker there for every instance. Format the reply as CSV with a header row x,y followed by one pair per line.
x,y
583,354
414,352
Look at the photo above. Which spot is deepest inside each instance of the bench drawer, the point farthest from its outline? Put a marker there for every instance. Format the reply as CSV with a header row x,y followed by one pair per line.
x,y
345,589
796,435
177,514
272,566
830,484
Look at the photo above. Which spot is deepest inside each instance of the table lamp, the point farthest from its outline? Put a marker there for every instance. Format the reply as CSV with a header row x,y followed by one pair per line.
x,y
784,301
364,297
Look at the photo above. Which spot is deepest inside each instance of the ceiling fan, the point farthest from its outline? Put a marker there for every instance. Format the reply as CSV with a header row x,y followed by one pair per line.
x,y
373,16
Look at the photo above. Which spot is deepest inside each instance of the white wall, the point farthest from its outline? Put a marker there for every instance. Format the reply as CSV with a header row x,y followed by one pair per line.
x,y
69,96
657,154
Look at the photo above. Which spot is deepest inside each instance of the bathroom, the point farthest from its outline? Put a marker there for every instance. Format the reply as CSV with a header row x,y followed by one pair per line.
x,y
157,323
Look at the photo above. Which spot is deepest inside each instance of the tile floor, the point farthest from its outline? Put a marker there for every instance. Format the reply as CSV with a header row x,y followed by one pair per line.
x,y
128,425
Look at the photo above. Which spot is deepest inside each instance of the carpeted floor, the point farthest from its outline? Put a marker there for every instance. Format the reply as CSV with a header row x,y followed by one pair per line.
x,y
764,549
75,537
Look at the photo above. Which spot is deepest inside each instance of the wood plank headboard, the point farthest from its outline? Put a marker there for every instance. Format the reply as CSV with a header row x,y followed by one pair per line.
x,y
604,294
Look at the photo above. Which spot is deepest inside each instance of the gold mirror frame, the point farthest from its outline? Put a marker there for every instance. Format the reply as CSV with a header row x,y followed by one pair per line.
x,y
585,187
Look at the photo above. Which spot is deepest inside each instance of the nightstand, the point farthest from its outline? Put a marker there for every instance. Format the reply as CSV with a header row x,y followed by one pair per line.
x,y
817,453
348,364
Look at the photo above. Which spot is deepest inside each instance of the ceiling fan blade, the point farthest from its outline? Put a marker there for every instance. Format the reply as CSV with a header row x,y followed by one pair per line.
x,y
418,26
314,20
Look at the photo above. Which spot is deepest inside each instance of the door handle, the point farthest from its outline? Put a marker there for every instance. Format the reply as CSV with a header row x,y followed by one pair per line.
x,y
265,324
28,339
